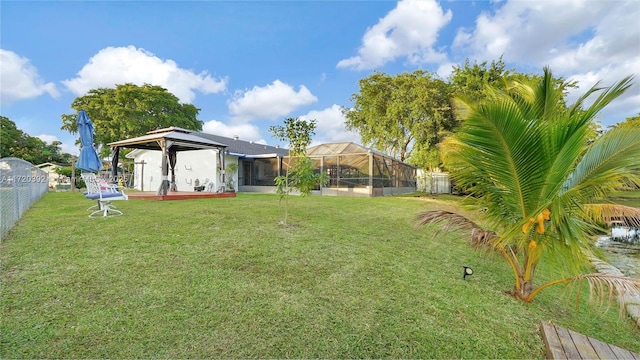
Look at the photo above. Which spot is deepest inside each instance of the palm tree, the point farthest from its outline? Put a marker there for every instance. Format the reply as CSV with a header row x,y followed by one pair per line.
x,y
533,165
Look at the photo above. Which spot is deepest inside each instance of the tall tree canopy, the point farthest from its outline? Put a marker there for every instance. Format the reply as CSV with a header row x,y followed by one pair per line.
x,y
409,114
474,81
540,178
478,81
396,113
130,110
16,143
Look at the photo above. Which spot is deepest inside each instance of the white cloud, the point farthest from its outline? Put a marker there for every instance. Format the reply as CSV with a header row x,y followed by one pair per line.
x,y
626,105
119,65
611,41
47,138
410,30
445,69
65,148
330,126
580,40
243,131
530,31
612,53
269,102
70,149
20,79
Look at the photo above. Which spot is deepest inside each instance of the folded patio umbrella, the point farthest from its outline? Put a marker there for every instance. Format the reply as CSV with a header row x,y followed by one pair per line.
x,y
88,161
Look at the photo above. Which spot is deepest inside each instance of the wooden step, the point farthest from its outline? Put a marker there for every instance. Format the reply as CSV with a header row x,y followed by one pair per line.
x,y
562,343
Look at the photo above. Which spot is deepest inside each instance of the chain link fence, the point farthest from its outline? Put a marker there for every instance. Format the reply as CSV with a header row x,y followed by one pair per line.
x,y
21,185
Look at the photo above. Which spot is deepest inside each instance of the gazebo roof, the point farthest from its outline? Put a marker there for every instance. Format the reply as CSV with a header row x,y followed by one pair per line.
x,y
182,140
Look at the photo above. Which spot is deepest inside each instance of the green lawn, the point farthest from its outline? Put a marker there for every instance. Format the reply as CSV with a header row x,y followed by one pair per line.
x,y
219,278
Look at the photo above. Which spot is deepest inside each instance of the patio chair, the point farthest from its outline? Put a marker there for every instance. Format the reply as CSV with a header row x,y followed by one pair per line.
x,y
104,194
104,185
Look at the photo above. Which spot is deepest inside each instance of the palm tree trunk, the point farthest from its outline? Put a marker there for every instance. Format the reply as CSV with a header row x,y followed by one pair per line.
x,y
526,281
531,257
524,293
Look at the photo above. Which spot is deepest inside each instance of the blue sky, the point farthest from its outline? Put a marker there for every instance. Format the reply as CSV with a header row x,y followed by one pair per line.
x,y
249,64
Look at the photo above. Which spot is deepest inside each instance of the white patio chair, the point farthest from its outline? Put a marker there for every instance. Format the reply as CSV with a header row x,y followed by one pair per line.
x,y
104,185
104,194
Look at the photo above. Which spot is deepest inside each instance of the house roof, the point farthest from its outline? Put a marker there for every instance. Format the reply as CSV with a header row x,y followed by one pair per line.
x,y
43,165
182,140
244,148
193,140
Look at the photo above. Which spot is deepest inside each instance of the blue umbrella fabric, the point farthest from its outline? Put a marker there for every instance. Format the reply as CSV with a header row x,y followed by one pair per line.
x,y
88,161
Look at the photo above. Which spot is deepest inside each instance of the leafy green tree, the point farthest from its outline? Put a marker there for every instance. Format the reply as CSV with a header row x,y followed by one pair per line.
x,y
71,174
16,143
128,111
474,81
478,81
540,181
10,136
402,115
53,153
299,171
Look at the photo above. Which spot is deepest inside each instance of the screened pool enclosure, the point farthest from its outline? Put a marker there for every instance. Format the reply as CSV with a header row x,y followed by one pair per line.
x,y
353,170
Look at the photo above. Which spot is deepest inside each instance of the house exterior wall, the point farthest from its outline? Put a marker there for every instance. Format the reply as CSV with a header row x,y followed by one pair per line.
x,y
55,179
190,165
359,175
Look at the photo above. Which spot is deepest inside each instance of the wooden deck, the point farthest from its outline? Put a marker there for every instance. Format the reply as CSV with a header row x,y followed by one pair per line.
x,y
179,195
566,344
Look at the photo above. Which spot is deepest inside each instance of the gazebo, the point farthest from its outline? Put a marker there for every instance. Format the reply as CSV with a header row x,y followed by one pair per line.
x,y
169,141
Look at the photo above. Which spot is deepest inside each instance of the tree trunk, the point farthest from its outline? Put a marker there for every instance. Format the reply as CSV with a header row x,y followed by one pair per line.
x,y
286,203
526,287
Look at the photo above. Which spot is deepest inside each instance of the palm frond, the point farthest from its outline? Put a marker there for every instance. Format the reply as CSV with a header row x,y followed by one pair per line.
x,y
607,96
497,142
610,160
478,236
547,98
613,213
451,219
605,288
